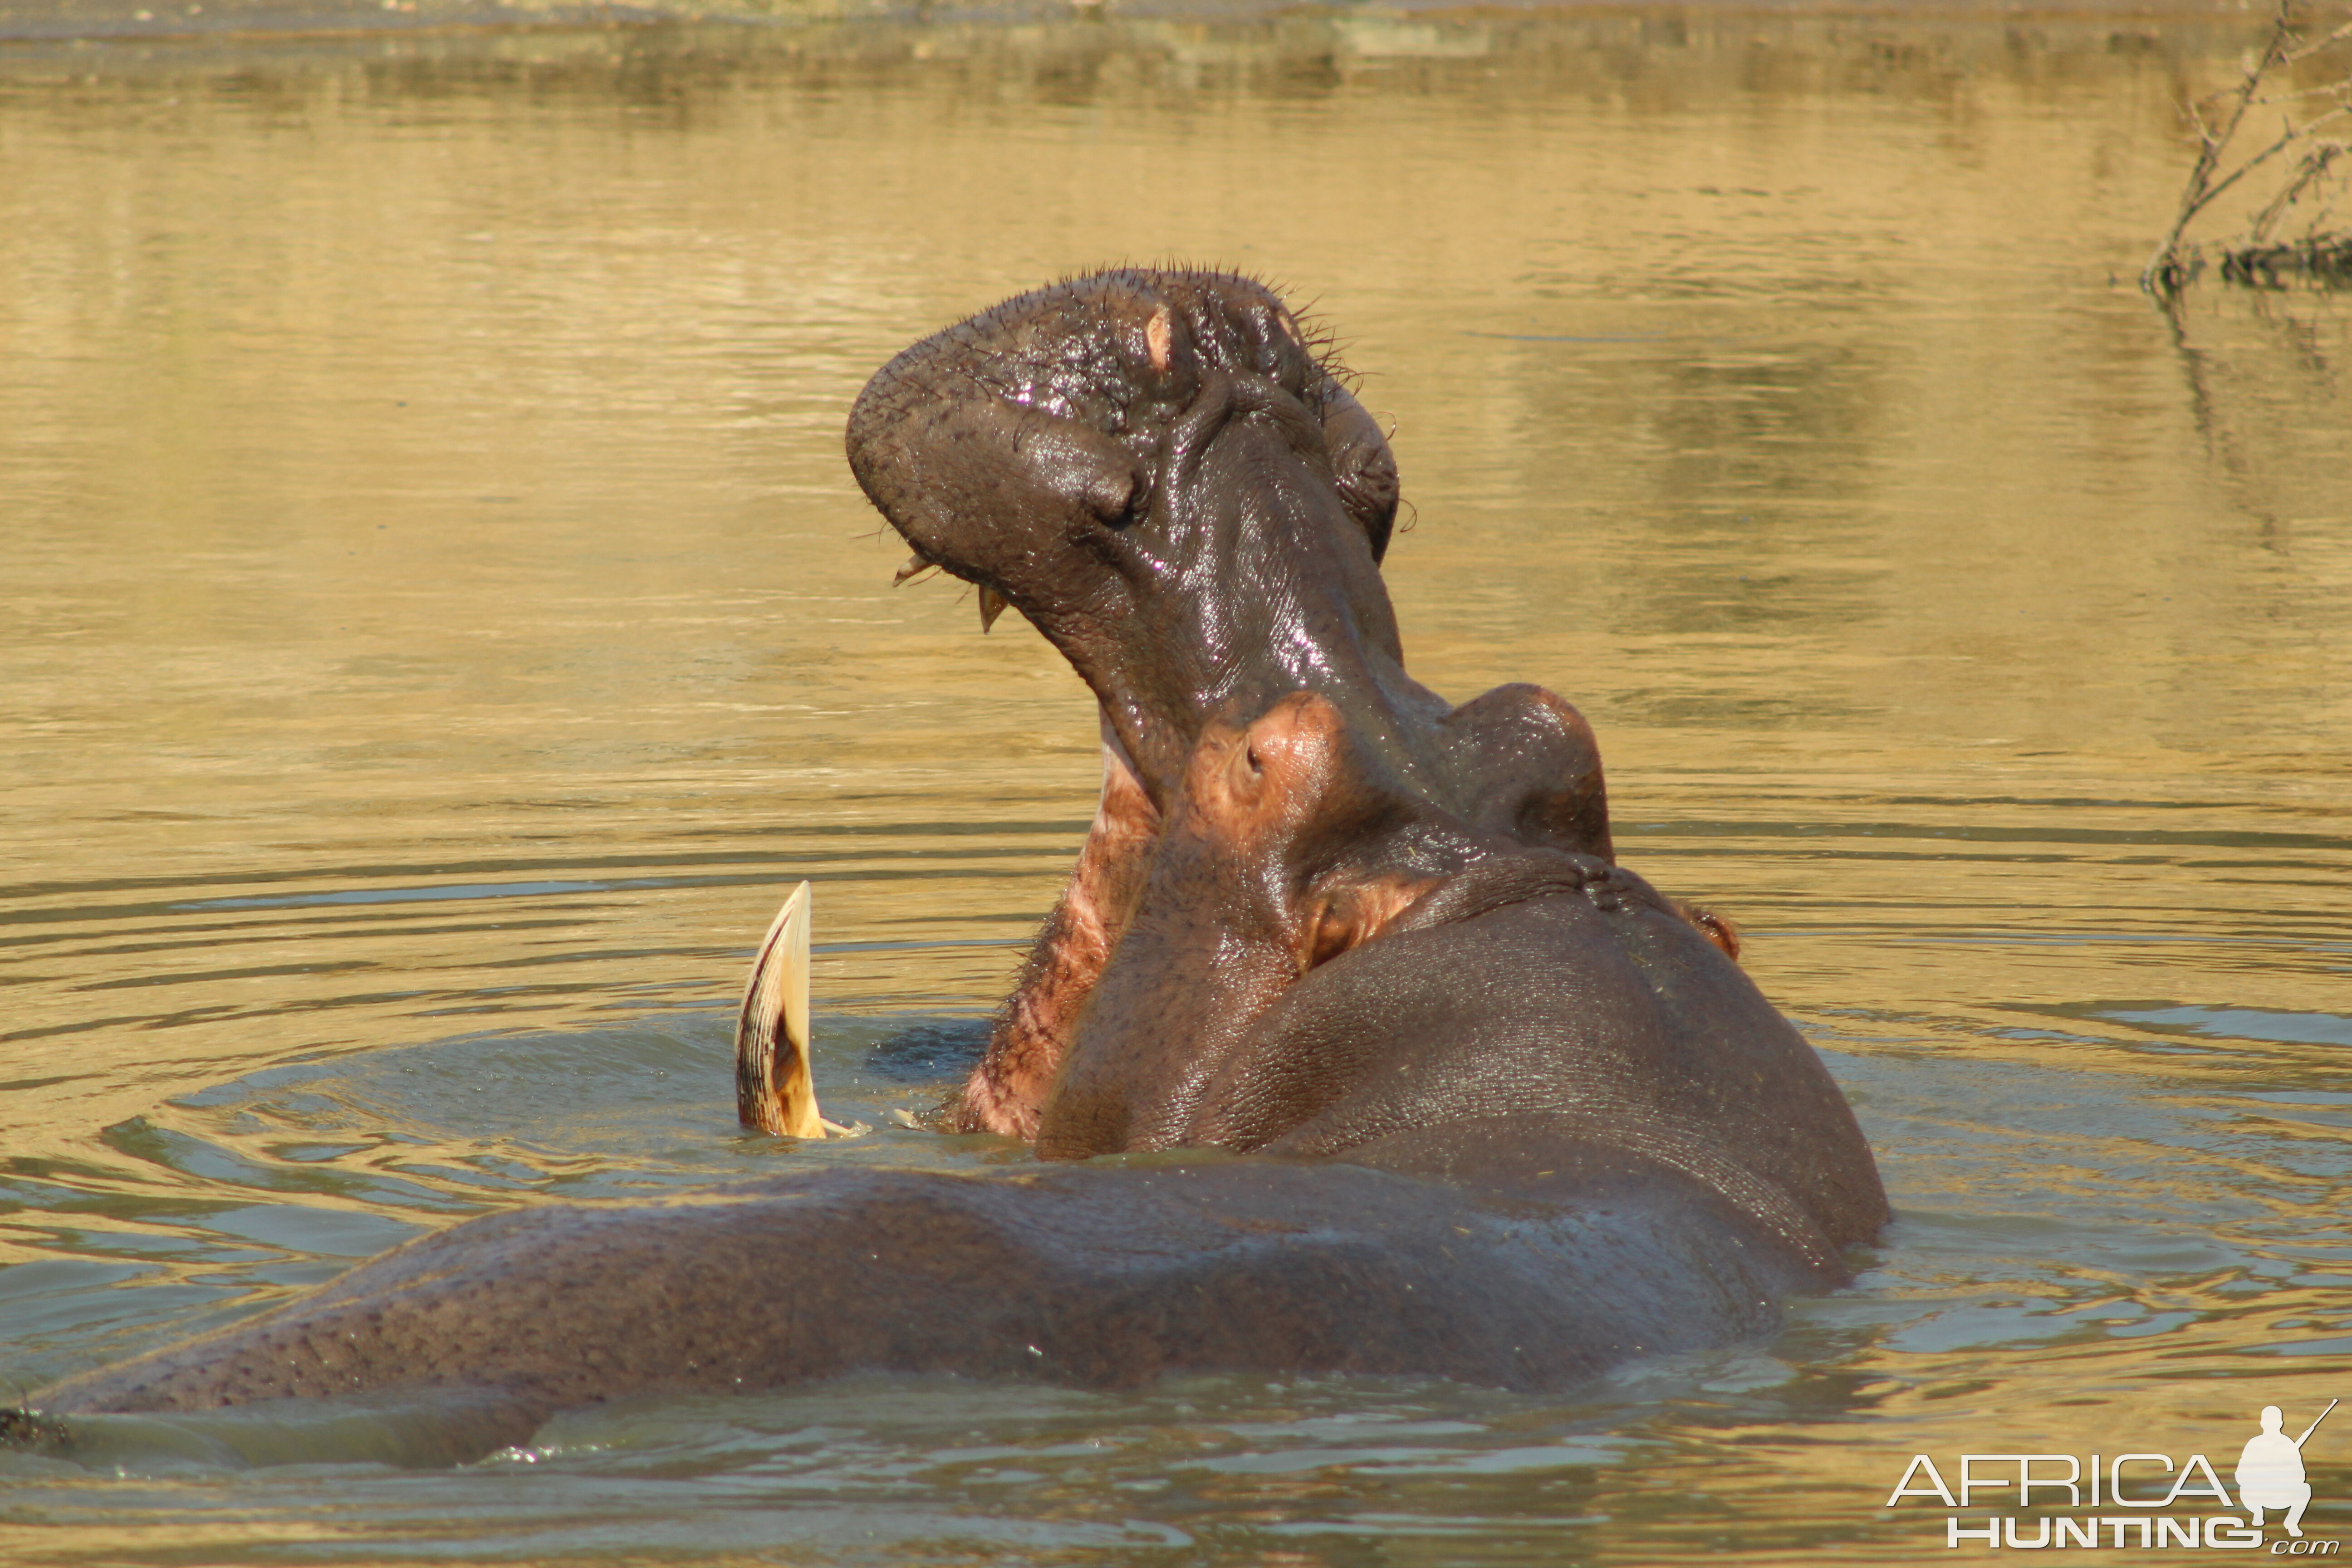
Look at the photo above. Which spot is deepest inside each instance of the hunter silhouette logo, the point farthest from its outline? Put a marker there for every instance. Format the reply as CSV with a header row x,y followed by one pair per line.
x,y
2270,1472
2151,1497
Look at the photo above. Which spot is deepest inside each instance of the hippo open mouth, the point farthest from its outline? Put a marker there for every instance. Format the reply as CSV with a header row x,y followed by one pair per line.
x,y
1165,475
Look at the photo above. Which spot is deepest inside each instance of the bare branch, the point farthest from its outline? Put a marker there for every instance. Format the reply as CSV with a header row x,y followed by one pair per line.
x,y
2217,118
2206,198
2308,171
2332,38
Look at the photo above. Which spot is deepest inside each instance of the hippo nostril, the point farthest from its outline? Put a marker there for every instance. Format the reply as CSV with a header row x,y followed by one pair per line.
x,y
1116,500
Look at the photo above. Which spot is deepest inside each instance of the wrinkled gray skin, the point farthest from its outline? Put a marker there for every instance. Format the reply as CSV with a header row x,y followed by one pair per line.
x,y
1457,1095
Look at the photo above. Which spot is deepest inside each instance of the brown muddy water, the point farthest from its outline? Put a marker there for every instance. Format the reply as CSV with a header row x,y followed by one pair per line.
x,y
440,625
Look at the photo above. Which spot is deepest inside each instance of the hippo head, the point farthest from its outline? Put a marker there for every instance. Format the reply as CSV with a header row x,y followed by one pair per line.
x,y
1158,471
1163,472
1166,476
1319,960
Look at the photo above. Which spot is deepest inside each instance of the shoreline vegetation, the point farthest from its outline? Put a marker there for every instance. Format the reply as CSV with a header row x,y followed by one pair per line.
x,y
2279,132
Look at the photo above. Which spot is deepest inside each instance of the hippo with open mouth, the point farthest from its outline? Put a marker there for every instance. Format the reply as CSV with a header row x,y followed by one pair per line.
x,y
1455,1093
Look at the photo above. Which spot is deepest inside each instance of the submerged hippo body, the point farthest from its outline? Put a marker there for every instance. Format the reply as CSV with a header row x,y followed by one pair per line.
x,y
1433,1085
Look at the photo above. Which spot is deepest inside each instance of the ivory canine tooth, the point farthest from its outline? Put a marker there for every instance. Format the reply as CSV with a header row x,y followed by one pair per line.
x,y
991,604
775,1090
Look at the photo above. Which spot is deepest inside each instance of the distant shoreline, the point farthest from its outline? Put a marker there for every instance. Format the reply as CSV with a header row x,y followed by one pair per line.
x,y
29,25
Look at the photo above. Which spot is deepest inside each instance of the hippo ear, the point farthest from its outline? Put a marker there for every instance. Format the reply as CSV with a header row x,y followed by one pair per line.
x,y
1361,465
1716,928
1352,910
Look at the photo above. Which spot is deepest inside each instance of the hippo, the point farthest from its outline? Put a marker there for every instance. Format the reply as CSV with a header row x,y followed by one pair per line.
x,y
1347,1047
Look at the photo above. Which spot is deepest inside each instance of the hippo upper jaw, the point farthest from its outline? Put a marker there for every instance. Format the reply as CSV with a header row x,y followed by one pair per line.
x,y
1158,473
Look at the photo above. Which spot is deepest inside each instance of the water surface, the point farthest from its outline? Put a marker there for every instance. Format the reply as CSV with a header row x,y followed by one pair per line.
x,y
440,625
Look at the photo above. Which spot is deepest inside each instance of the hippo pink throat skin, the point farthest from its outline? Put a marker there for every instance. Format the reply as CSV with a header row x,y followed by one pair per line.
x,y
1469,1098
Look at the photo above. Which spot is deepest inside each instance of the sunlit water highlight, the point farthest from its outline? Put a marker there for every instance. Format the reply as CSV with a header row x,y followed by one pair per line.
x,y
441,627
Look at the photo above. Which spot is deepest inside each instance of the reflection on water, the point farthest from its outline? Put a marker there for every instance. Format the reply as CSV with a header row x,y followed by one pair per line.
x,y
442,626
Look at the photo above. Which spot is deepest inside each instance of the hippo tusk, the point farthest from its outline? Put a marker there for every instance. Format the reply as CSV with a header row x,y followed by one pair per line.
x,y
775,1090
991,604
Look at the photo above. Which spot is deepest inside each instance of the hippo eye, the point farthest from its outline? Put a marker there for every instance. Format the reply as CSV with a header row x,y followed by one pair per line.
x,y
1250,753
